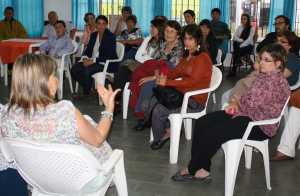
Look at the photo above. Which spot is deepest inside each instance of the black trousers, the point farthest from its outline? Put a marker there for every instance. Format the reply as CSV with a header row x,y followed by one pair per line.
x,y
214,129
121,77
240,52
12,184
83,75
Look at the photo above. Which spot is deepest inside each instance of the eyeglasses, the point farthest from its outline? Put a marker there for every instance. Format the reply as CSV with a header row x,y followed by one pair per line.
x,y
278,23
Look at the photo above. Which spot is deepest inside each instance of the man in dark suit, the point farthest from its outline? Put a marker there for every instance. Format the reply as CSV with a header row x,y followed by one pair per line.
x,y
101,47
282,23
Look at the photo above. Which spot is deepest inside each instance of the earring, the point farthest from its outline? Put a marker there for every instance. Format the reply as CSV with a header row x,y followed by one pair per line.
x,y
198,47
185,48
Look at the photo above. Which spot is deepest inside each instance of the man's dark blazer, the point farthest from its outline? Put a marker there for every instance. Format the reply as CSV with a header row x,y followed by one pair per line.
x,y
107,49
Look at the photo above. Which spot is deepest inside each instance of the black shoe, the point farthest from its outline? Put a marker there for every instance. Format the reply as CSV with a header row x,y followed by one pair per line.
x,y
188,178
141,125
156,145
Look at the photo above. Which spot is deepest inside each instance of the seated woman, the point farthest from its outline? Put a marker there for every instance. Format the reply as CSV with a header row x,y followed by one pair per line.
x,y
89,27
264,100
242,42
288,41
101,47
194,69
167,58
148,50
33,114
209,40
131,37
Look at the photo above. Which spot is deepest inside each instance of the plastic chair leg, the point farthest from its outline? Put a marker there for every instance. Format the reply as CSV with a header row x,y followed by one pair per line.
x,y
120,178
248,156
232,159
126,96
188,126
176,123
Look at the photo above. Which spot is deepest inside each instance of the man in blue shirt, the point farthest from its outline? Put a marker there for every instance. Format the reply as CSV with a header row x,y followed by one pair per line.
x,y
59,45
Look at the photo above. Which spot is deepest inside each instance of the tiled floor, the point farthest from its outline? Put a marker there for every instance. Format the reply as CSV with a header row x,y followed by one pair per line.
x,y
148,172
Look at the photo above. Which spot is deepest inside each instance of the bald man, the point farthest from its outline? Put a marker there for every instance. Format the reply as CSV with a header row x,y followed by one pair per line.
x,y
49,30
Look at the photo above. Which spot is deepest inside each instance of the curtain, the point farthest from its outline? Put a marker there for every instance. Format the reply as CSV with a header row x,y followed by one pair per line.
x,y
289,10
207,6
33,22
143,11
276,8
162,8
80,7
3,5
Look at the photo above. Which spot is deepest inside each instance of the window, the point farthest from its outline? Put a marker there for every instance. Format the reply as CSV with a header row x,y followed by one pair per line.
x,y
259,12
179,6
111,7
297,21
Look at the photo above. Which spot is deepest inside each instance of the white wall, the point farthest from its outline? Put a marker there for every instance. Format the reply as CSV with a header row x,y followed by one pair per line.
x,y
62,7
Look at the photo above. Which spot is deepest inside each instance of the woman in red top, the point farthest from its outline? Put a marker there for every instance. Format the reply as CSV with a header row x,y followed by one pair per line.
x,y
194,69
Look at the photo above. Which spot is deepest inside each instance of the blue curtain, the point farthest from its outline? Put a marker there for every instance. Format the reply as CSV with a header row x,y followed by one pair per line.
x,y
33,21
143,11
207,6
3,5
80,7
285,7
289,10
162,8
276,8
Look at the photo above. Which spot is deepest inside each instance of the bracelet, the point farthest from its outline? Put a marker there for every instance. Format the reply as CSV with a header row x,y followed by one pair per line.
x,y
107,114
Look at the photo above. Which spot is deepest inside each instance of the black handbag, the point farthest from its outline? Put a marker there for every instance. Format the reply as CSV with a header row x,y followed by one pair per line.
x,y
168,97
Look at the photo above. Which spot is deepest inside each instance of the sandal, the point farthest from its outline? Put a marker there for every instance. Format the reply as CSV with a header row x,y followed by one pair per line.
x,y
188,178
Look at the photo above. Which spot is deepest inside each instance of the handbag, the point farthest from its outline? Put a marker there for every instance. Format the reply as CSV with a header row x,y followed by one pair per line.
x,y
168,97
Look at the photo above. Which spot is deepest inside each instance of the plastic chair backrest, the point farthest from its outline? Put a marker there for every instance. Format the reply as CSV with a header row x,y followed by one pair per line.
x,y
120,50
54,168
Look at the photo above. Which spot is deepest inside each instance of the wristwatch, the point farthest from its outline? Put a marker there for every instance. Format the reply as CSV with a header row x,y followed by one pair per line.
x,y
107,114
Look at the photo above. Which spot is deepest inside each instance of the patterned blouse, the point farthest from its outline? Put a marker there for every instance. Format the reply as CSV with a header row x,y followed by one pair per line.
x,y
55,124
174,56
265,99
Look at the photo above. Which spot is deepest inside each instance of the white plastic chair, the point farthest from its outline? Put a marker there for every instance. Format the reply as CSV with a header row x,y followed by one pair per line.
x,y
177,118
125,101
65,66
219,64
4,72
100,76
64,169
233,150
227,60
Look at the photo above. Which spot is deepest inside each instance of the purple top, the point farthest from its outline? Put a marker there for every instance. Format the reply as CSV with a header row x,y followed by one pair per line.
x,y
265,99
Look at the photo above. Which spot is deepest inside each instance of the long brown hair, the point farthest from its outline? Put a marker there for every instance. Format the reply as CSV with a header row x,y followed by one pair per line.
x,y
29,87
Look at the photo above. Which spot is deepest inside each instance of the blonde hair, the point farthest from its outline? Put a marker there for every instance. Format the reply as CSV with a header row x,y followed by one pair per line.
x,y
29,87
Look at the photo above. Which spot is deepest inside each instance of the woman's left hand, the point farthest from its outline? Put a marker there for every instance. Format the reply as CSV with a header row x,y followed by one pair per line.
x,y
107,96
161,80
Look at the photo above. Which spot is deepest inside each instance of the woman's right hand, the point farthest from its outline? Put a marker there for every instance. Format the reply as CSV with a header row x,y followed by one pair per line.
x,y
146,79
108,97
232,109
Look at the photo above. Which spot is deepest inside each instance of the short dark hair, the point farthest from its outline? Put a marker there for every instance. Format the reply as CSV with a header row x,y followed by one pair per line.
x,y
102,17
87,15
161,17
132,18
174,25
216,10
190,12
9,8
292,40
61,22
126,9
194,31
286,20
277,52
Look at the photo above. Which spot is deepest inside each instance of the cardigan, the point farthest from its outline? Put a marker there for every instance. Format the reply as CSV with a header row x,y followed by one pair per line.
x,y
195,74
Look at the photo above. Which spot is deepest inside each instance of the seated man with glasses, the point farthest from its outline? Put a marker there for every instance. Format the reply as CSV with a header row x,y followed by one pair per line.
x,y
282,23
